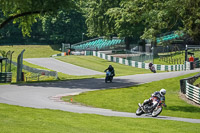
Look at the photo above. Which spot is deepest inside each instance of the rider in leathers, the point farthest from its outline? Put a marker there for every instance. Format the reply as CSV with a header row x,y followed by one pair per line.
x,y
160,95
111,69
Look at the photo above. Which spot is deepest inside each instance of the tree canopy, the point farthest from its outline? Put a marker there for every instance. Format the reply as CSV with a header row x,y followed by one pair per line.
x,y
25,12
146,18
143,19
65,27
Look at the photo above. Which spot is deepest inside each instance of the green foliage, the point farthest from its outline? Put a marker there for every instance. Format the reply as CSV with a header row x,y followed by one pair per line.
x,y
25,12
64,27
123,18
98,22
146,18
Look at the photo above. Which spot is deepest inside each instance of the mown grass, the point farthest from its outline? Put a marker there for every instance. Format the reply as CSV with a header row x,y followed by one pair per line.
x,y
31,51
15,119
98,64
126,99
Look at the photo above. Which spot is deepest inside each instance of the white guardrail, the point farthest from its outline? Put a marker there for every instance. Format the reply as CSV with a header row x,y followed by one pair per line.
x,y
192,93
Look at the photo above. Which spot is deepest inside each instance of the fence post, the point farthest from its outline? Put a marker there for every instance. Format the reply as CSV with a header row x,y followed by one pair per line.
x,y
38,77
19,66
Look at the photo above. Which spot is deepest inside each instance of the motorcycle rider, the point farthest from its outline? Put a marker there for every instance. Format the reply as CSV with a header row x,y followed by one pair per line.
x,y
158,94
151,67
111,69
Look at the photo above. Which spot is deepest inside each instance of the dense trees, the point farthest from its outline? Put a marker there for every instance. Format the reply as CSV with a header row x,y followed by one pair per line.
x,y
124,18
146,18
25,12
65,27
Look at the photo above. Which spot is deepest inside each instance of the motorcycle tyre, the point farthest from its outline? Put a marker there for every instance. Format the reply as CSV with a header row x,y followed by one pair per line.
x,y
106,79
155,115
111,78
139,112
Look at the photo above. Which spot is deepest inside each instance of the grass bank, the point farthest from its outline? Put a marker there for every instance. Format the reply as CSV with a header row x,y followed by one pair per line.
x,y
31,51
126,99
98,64
15,119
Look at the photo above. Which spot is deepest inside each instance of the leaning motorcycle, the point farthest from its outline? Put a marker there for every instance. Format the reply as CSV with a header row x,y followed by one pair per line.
x,y
152,68
109,76
147,108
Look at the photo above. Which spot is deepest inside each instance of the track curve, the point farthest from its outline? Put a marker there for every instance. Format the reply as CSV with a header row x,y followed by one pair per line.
x,y
47,94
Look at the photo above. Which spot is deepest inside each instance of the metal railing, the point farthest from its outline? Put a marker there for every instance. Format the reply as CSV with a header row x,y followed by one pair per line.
x,y
192,93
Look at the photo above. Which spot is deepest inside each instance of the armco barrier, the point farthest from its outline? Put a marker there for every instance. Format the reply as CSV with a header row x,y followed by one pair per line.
x,y
180,67
40,71
192,93
189,80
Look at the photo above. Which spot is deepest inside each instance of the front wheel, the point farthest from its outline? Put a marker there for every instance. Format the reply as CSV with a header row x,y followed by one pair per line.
x,y
139,111
106,79
156,111
111,78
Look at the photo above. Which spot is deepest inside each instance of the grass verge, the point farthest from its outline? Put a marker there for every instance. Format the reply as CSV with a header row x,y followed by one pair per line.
x,y
126,99
98,64
15,119
31,51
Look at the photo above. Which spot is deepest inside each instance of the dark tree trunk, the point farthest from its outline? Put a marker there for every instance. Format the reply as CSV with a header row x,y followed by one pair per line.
x,y
127,42
4,23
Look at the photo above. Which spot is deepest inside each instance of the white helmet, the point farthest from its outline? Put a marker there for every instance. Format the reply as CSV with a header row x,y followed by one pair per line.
x,y
162,92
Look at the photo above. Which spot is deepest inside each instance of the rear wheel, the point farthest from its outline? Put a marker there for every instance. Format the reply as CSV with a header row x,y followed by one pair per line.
x,y
139,111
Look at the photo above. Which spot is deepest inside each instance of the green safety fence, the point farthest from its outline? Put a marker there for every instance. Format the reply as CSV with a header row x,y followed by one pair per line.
x,y
192,93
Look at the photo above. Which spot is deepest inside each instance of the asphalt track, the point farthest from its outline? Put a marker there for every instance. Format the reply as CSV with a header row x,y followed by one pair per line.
x,y
46,95
60,66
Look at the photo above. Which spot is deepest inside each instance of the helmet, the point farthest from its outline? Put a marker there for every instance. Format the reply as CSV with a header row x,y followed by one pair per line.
x,y
162,92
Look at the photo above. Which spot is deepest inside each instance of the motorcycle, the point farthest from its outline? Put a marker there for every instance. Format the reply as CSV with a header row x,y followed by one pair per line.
x,y
109,76
148,107
152,68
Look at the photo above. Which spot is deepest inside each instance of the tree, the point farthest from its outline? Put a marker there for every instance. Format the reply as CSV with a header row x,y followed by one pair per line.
x,y
65,27
99,23
146,18
113,18
25,12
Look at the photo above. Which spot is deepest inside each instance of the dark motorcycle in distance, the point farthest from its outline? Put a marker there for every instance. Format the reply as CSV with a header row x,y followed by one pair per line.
x,y
109,76
148,108
152,68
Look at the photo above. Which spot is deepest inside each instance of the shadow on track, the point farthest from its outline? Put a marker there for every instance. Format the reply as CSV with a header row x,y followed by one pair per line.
x,y
183,108
85,84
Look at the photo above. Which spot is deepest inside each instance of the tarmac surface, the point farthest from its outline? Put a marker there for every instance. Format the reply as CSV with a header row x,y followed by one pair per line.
x,y
46,95
60,66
